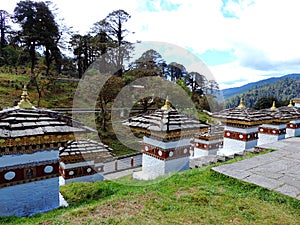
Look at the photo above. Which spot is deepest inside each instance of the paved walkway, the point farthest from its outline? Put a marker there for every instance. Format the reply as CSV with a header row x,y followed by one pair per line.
x,y
278,171
119,174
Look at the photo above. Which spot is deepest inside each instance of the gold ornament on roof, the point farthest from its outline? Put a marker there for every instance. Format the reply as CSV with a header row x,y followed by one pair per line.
x,y
291,104
241,105
25,103
273,106
167,105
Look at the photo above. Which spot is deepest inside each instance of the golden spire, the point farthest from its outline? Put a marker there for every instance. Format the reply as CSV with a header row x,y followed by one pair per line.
x,y
273,106
167,105
25,103
291,104
241,105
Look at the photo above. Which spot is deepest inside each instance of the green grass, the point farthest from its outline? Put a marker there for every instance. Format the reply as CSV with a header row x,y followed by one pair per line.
x,y
197,196
55,94
120,149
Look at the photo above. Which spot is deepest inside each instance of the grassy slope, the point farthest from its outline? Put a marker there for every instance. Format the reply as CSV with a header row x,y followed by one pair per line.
x,y
197,196
55,94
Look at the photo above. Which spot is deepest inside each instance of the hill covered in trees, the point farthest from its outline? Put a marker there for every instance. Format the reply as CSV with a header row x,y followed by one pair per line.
x,y
230,92
281,91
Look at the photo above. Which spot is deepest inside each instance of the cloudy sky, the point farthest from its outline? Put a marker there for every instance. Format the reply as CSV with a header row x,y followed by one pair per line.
x,y
239,40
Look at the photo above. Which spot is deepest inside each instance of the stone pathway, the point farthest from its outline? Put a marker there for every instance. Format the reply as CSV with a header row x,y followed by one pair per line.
x,y
278,171
119,174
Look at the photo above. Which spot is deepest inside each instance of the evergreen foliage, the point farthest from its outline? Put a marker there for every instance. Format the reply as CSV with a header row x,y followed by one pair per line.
x,y
263,95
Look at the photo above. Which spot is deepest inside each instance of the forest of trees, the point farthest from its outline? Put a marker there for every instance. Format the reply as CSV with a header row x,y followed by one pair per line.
x,y
262,96
39,41
33,40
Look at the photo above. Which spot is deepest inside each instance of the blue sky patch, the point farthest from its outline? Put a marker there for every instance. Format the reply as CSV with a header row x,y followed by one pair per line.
x,y
225,12
231,14
166,5
216,57
158,5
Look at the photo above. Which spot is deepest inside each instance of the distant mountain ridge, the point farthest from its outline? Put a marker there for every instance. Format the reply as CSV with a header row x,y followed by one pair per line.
x,y
281,90
230,92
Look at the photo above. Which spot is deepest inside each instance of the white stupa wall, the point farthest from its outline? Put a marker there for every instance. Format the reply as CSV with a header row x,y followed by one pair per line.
x,y
33,197
153,167
177,165
297,104
30,198
232,146
83,178
76,165
167,145
198,152
270,138
293,132
12,160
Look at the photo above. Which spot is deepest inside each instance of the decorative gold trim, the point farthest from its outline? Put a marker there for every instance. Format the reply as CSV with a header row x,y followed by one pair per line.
x,y
273,106
170,136
167,105
241,105
32,144
24,102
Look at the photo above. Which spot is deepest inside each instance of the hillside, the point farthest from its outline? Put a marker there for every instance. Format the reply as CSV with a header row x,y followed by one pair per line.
x,y
197,196
230,92
282,89
55,94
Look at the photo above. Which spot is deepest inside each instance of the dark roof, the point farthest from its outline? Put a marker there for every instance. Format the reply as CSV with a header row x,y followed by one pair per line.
x,y
164,121
214,131
85,148
284,113
241,114
20,122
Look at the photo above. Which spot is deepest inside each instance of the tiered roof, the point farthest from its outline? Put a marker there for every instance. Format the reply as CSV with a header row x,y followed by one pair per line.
x,y
25,120
24,128
214,132
83,150
282,114
164,120
242,116
245,116
19,122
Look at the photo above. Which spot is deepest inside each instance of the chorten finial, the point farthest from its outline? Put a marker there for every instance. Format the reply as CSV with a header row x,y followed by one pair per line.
x,y
241,105
273,106
25,103
291,104
167,105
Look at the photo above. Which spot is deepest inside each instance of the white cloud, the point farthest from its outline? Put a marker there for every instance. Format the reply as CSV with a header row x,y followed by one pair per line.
x,y
232,74
263,34
269,27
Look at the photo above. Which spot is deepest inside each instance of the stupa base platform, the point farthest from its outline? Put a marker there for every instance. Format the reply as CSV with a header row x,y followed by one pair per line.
x,y
90,178
202,153
229,152
62,201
